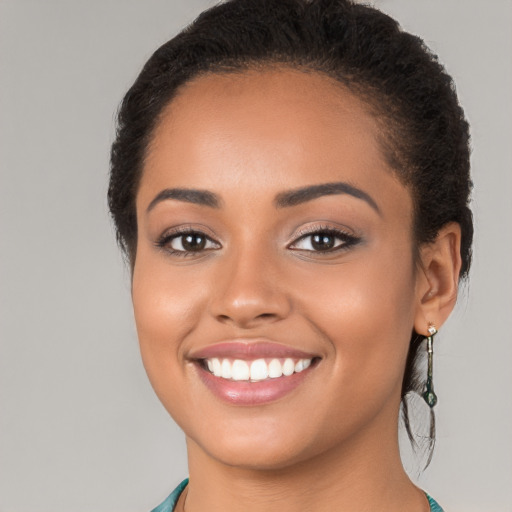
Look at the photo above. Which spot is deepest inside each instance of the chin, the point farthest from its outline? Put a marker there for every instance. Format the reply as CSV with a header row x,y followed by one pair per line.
x,y
254,456
264,444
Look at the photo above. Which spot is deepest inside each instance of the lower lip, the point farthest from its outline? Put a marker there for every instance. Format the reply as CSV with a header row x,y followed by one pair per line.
x,y
251,393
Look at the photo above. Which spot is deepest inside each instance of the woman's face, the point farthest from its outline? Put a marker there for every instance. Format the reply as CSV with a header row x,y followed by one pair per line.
x,y
271,229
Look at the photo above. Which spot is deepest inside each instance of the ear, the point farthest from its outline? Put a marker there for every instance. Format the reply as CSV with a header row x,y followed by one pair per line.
x,y
438,279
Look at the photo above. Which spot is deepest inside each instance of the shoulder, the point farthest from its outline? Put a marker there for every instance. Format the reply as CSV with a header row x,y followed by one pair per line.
x,y
171,500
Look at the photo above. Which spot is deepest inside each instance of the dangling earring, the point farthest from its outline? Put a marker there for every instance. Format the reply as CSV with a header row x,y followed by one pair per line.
x,y
428,395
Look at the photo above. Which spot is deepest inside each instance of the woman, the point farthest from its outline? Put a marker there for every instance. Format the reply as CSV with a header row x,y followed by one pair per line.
x,y
290,182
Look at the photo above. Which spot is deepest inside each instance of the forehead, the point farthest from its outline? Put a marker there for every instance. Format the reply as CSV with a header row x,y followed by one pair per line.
x,y
274,105
277,128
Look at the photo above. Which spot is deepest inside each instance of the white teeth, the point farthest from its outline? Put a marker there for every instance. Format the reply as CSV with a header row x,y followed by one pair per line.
x,y
240,370
217,369
226,369
256,370
275,369
288,367
259,370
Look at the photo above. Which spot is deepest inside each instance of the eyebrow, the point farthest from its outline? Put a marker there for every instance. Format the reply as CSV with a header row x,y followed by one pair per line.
x,y
189,195
302,195
282,200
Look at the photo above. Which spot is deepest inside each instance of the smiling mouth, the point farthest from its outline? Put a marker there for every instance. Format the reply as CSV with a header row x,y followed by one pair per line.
x,y
252,372
255,370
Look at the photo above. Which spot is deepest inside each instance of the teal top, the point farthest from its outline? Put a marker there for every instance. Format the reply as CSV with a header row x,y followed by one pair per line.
x,y
169,504
171,500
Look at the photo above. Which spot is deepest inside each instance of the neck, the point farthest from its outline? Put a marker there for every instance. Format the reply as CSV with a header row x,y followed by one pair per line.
x,y
362,474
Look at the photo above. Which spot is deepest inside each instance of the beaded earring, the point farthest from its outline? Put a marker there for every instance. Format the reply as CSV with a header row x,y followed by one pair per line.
x,y
428,395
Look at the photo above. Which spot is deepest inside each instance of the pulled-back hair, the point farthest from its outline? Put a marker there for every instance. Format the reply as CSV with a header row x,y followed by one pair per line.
x,y
424,134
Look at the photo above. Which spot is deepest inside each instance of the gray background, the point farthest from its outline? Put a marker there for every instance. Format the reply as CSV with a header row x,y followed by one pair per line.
x,y
80,428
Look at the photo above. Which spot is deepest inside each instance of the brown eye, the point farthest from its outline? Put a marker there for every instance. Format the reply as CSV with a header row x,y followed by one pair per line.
x,y
323,241
191,242
188,242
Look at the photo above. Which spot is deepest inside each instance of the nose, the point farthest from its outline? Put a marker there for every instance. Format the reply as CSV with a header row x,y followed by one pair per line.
x,y
250,291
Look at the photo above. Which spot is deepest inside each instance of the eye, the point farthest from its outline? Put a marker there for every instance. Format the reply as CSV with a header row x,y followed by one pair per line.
x,y
324,240
190,242
187,242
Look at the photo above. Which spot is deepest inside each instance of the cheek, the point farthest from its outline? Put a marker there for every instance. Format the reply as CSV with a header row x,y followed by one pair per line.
x,y
166,309
365,308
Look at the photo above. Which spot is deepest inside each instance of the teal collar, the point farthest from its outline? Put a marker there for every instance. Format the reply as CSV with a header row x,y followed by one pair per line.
x,y
169,504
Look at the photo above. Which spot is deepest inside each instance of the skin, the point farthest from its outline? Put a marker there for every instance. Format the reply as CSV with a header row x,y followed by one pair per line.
x,y
247,138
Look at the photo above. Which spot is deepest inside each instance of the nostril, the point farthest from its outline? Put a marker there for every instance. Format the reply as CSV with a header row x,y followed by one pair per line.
x,y
247,310
266,315
247,320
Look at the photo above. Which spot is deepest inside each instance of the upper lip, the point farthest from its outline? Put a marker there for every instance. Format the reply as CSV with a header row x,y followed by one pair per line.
x,y
250,349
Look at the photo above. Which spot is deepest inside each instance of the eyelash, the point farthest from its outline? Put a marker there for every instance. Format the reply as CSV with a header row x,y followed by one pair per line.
x,y
165,240
348,240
